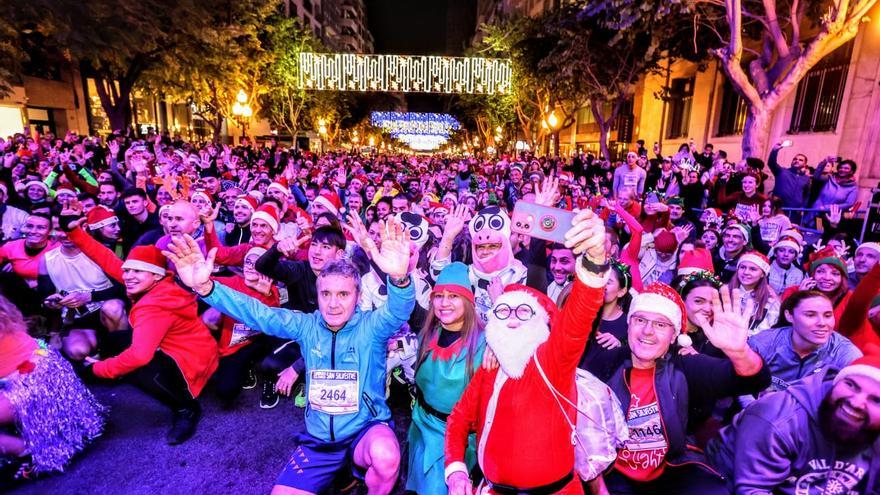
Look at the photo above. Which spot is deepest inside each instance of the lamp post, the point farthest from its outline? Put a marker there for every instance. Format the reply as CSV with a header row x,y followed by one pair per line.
x,y
242,112
553,123
322,130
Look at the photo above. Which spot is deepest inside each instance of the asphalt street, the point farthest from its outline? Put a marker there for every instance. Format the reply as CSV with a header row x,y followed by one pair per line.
x,y
241,451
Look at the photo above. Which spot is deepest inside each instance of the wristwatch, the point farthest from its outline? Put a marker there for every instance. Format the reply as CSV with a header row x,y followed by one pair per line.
x,y
593,267
399,282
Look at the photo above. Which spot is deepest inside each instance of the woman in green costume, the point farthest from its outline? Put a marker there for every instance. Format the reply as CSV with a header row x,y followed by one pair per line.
x,y
451,349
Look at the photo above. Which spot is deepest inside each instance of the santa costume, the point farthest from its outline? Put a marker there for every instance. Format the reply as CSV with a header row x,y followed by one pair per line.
x,y
523,441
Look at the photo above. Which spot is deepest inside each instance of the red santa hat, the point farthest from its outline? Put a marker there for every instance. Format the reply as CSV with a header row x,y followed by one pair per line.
x,y
256,250
101,216
202,194
661,299
544,307
248,201
280,185
438,207
146,259
789,242
793,234
37,183
269,214
714,213
756,259
64,189
872,246
665,242
696,260
867,366
361,178
331,201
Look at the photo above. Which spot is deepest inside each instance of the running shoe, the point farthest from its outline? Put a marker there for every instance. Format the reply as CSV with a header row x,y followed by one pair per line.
x,y
250,380
184,424
269,397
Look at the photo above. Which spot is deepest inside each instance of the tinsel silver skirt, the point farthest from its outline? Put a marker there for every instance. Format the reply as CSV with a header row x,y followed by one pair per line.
x,y
56,415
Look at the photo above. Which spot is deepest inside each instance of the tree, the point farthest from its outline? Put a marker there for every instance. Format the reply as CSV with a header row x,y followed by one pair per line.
x,y
116,41
607,61
780,53
284,101
209,71
764,47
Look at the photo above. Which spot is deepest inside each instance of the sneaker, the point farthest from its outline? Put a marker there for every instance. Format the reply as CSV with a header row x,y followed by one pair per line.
x,y
269,398
184,424
300,395
250,380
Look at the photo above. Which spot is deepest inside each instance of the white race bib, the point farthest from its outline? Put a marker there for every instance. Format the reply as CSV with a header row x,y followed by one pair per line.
x,y
630,179
334,391
241,333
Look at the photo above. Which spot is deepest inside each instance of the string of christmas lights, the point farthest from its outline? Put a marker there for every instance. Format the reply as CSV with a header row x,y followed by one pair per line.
x,y
395,123
404,73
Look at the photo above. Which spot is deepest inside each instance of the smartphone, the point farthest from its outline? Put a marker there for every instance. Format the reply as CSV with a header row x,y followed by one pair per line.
x,y
786,143
539,221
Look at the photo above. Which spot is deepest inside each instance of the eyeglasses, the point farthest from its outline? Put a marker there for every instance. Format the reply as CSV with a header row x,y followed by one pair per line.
x,y
523,312
658,326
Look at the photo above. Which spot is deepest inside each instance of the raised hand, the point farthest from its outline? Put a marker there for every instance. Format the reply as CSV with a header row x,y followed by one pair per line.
x,y
113,146
192,267
587,236
290,245
455,222
729,329
607,340
834,214
211,215
547,193
357,229
393,257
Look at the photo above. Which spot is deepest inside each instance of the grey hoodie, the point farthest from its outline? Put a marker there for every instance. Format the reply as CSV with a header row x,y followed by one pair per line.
x,y
776,446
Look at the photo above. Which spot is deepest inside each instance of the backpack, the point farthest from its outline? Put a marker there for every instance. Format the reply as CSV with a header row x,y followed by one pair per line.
x,y
601,427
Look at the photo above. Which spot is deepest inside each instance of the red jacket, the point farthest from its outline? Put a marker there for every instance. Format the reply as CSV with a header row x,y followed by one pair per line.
x,y
227,324
228,255
529,443
165,318
853,322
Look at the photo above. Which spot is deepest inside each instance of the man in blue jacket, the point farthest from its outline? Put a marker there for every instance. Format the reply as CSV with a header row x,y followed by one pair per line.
x,y
821,435
792,183
347,419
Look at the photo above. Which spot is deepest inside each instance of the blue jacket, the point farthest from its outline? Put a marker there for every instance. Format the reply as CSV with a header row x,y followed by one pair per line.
x,y
361,345
775,347
791,187
777,446
833,192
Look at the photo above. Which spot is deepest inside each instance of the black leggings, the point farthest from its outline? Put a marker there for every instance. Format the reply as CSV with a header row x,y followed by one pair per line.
x,y
161,378
285,353
686,479
232,371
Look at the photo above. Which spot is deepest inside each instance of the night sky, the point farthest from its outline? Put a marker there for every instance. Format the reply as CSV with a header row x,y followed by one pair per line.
x,y
422,27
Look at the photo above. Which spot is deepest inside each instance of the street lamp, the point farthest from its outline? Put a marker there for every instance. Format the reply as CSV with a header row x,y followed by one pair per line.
x,y
553,123
242,112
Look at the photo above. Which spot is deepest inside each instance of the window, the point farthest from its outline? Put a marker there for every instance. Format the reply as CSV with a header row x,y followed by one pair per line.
x,y
623,124
732,118
819,94
678,113
584,120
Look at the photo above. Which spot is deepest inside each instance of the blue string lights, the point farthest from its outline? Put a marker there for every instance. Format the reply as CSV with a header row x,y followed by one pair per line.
x,y
420,131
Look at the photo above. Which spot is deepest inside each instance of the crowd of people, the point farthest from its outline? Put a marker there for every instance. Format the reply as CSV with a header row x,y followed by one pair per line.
x,y
695,333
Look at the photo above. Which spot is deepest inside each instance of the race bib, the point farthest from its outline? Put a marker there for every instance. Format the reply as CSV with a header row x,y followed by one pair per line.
x,y
241,333
334,391
630,179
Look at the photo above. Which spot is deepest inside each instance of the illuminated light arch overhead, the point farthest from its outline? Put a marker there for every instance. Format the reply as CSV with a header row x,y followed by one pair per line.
x,y
404,73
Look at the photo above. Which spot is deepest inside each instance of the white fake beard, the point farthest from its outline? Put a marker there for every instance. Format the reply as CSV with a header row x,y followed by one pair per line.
x,y
514,347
